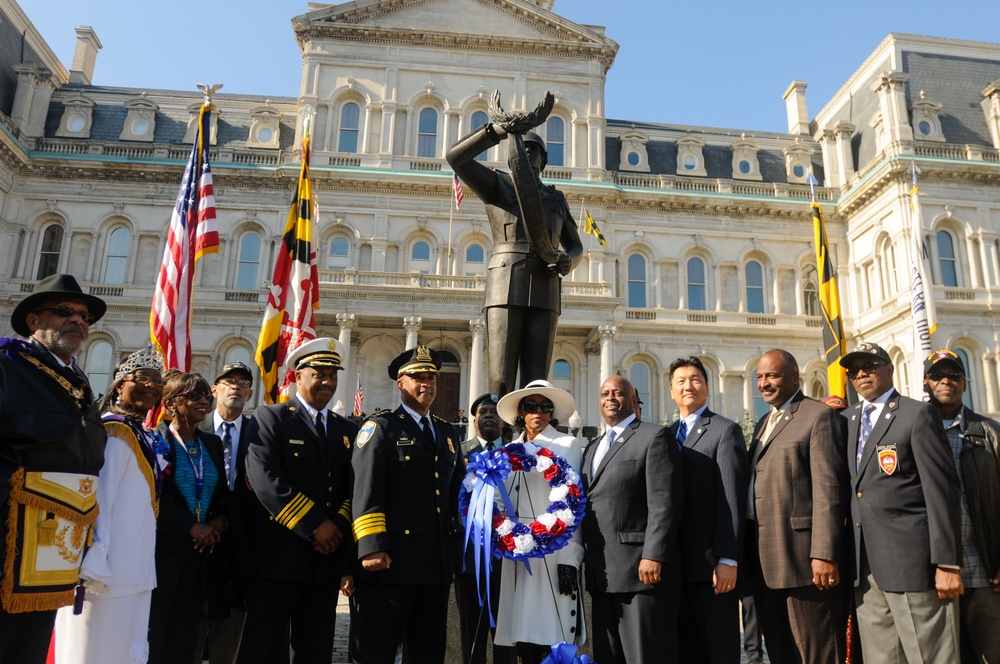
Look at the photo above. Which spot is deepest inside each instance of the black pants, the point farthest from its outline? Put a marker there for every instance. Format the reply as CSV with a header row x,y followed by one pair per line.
x,y
25,637
310,607
474,620
390,614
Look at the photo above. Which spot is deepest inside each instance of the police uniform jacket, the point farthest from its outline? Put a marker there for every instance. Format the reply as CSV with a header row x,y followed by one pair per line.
x,y
295,481
406,497
41,424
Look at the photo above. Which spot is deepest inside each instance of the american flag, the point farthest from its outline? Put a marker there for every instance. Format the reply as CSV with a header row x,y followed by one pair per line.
x,y
192,234
359,398
459,195
289,319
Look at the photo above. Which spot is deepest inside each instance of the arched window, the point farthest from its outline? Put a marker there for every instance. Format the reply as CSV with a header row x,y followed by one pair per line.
x,y
475,259
638,374
562,370
117,260
636,281
478,120
350,121
696,284
967,397
810,293
755,287
555,141
246,273
427,128
420,257
887,264
760,407
340,253
48,259
239,353
947,259
99,366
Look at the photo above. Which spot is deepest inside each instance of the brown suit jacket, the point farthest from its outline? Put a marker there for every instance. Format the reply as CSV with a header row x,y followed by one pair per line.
x,y
800,492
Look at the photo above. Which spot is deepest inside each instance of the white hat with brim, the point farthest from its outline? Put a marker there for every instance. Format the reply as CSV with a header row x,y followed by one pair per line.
x,y
563,401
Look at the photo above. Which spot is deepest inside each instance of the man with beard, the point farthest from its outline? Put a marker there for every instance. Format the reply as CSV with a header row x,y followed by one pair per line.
x,y
297,513
408,471
51,435
974,441
232,390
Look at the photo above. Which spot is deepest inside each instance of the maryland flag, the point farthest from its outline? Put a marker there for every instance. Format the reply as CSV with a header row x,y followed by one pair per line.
x,y
289,319
591,228
829,299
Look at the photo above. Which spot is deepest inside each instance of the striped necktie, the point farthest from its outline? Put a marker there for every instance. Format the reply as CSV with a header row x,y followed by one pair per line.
x,y
866,430
682,433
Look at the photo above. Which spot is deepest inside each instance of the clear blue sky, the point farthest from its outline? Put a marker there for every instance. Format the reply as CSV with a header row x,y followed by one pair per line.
x,y
710,63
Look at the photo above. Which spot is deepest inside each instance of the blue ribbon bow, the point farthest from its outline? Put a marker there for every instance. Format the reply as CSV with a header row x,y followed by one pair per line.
x,y
565,653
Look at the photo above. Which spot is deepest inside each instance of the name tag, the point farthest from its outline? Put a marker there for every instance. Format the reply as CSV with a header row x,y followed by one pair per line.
x,y
292,441
403,442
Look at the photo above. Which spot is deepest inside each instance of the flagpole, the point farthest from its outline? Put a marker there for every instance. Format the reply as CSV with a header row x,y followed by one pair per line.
x,y
451,216
921,302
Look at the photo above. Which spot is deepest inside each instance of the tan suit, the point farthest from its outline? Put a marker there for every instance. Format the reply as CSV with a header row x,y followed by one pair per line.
x,y
800,489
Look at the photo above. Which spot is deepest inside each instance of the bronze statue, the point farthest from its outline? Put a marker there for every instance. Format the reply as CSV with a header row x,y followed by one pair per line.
x,y
535,244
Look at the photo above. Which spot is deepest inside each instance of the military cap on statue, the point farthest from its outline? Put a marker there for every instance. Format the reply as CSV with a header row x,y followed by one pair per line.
x,y
322,352
54,287
415,360
233,367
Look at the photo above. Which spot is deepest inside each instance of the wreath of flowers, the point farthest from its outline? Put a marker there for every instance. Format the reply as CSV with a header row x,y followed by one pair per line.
x,y
552,530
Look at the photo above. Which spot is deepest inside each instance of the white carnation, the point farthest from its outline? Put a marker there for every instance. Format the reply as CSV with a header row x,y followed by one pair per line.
x,y
543,463
505,528
558,493
524,543
548,520
566,516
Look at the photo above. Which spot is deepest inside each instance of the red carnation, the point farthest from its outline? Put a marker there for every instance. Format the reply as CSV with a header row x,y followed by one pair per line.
x,y
538,528
497,520
507,541
546,452
550,472
558,528
573,490
515,463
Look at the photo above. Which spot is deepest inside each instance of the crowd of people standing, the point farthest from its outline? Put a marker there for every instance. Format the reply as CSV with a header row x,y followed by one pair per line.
x,y
230,536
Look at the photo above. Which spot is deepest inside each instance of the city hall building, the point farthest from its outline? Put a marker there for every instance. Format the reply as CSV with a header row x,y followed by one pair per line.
x,y
709,230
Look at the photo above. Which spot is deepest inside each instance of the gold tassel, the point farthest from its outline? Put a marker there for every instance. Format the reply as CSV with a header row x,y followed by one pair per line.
x,y
90,536
47,530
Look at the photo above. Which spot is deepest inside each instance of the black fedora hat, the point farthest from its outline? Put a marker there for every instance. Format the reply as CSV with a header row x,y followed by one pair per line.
x,y
54,287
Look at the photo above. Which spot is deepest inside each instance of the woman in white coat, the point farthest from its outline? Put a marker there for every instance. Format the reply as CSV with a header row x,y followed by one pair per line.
x,y
545,607
118,570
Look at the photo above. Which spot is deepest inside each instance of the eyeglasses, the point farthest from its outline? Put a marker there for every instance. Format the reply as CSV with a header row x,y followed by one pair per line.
x,y
66,312
144,380
954,376
545,407
236,383
869,368
196,395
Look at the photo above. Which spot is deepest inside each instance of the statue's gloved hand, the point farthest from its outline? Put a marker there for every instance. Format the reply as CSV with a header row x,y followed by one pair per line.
x,y
567,580
562,264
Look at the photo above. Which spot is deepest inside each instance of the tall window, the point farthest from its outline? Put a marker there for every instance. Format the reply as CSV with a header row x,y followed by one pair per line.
x,y
555,141
48,259
350,121
810,293
99,366
946,255
340,253
696,284
887,255
967,397
420,257
478,120
760,406
755,287
561,370
114,266
475,259
246,272
636,281
427,129
638,374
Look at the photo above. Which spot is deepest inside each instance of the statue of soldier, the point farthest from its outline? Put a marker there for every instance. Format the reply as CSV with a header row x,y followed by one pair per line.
x,y
530,222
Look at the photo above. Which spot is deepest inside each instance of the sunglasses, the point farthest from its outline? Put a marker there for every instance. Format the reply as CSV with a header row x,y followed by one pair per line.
x,y
954,376
66,312
196,395
869,368
545,407
144,380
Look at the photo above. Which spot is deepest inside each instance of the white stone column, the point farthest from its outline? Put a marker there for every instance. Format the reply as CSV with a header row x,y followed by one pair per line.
x,y
133,257
227,250
346,322
607,335
412,325
366,129
974,266
476,383
388,127
989,366
845,154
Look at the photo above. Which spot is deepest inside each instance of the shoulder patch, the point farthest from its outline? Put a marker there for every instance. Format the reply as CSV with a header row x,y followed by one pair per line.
x,y
365,434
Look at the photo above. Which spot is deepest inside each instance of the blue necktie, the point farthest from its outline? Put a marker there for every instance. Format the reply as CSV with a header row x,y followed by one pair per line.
x,y
682,433
866,430
227,450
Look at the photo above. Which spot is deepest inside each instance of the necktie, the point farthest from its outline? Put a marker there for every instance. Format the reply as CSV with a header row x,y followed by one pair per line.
x,y
319,426
682,433
425,425
602,449
866,430
489,446
772,422
227,450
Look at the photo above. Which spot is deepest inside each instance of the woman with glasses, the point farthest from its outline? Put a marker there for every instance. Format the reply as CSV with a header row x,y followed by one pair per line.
x,y
118,573
544,607
193,518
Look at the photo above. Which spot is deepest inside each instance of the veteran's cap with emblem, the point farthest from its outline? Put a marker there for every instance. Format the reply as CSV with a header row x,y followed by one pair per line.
x,y
865,351
481,399
322,352
939,356
235,367
415,360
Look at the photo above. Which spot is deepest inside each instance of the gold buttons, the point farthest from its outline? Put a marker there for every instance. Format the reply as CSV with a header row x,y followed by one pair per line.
x,y
436,475
407,457
330,490
437,491
296,454
328,504
859,494
439,510
406,532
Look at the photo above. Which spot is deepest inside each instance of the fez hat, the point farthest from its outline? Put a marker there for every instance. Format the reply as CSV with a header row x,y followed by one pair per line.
x,y
233,367
563,401
54,287
939,356
322,352
415,360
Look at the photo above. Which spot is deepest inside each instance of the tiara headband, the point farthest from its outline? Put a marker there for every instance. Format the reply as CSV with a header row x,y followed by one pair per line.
x,y
147,358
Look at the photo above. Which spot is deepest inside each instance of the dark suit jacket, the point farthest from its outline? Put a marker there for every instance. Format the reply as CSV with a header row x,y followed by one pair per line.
x,y
908,520
208,426
716,472
634,507
297,480
801,492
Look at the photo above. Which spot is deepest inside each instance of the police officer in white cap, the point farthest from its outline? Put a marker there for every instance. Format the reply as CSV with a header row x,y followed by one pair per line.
x,y
297,508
